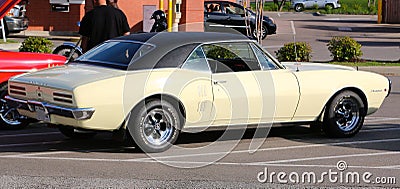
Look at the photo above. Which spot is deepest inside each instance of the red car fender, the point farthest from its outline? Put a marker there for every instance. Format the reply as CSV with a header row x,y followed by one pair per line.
x,y
15,63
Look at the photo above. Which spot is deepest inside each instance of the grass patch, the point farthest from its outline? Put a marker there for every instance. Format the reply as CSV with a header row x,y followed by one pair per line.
x,y
8,41
367,63
357,7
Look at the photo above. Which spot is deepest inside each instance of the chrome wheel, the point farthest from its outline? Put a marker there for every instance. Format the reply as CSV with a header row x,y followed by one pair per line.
x,y
157,127
347,113
8,115
344,115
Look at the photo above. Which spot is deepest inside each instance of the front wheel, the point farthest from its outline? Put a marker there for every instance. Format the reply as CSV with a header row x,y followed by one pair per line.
x,y
344,116
66,50
264,32
9,117
155,127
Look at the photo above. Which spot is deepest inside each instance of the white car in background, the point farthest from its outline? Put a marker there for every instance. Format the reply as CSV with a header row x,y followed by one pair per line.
x,y
300,5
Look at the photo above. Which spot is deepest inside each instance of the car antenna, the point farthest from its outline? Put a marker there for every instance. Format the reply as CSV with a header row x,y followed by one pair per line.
x,y
295,46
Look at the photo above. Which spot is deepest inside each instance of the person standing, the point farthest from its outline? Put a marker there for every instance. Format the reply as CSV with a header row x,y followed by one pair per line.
x,y
101,23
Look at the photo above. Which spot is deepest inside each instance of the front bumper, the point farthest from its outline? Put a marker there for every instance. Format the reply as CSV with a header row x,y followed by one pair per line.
x,y
43,111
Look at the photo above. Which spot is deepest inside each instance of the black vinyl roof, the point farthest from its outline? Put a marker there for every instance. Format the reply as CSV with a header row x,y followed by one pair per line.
x,y
167,42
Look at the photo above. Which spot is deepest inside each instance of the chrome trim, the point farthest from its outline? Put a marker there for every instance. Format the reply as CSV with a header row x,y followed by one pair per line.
x,y
49,108
390,87
18,70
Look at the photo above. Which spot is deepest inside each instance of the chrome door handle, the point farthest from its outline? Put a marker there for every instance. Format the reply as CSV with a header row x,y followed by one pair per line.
x,y
219,82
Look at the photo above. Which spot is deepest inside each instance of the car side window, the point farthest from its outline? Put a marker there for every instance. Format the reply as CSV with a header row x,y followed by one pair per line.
x,y
233,9
265,62
212,8
197,61
230,57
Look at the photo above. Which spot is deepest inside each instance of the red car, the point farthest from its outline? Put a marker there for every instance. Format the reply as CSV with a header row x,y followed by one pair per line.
x,y
14,63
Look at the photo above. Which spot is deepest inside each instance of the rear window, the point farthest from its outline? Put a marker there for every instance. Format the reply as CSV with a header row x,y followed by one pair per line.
x,y
116,54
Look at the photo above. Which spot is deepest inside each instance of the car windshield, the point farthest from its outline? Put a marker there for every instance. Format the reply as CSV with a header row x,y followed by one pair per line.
x,y
115,54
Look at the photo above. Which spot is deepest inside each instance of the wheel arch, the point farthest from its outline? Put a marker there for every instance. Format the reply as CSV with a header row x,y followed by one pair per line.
x,y
356,90
170,98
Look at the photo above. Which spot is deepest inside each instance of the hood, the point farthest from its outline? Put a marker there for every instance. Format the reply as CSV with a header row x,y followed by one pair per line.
x,y
67,77
306,66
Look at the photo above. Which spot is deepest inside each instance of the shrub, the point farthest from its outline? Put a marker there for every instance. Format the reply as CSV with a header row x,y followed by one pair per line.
x,y
36,44
344,49
289,53
315,6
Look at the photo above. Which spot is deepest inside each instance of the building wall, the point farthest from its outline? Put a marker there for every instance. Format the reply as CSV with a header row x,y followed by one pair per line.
x,y
42,18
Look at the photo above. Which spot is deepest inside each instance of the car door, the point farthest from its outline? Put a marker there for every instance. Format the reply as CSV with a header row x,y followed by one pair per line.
x,y
279,87
196,93
237,96
310,3
236,15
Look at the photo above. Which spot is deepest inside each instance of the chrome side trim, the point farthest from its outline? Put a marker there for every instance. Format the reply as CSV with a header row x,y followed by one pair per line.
x,y
18,70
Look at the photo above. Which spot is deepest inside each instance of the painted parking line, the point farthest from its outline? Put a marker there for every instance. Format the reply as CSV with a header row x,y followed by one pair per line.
x,y
208,154
329,157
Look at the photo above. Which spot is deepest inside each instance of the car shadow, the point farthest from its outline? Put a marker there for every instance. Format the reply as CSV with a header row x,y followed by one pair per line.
x,y
103,142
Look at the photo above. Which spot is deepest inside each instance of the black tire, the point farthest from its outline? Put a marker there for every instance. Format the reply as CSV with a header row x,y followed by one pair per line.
x,y
71,133
9,117
162,129
298,7
344,116
65,50
264,32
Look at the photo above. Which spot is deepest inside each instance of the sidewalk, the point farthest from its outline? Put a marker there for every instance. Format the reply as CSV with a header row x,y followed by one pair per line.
x,y
384,70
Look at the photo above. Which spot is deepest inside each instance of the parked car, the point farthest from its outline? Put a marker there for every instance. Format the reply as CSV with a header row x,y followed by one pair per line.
x,y
15,21
300,5
14,63
155,85
223,16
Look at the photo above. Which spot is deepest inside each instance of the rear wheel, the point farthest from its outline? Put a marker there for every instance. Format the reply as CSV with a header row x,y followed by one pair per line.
x,y
344,116
155,127
73,133
298,7
9,117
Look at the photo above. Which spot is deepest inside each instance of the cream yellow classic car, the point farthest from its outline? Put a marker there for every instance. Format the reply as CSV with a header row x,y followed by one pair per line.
x,y
155,85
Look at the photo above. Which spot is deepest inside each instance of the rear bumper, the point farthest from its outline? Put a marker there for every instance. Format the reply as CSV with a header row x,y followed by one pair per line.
x,y
49,109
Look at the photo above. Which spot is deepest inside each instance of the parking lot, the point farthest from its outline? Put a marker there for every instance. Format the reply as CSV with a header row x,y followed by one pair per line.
x,y
41,157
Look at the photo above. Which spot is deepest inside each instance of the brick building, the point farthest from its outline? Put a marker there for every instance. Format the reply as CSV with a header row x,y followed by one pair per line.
x,y
63,15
